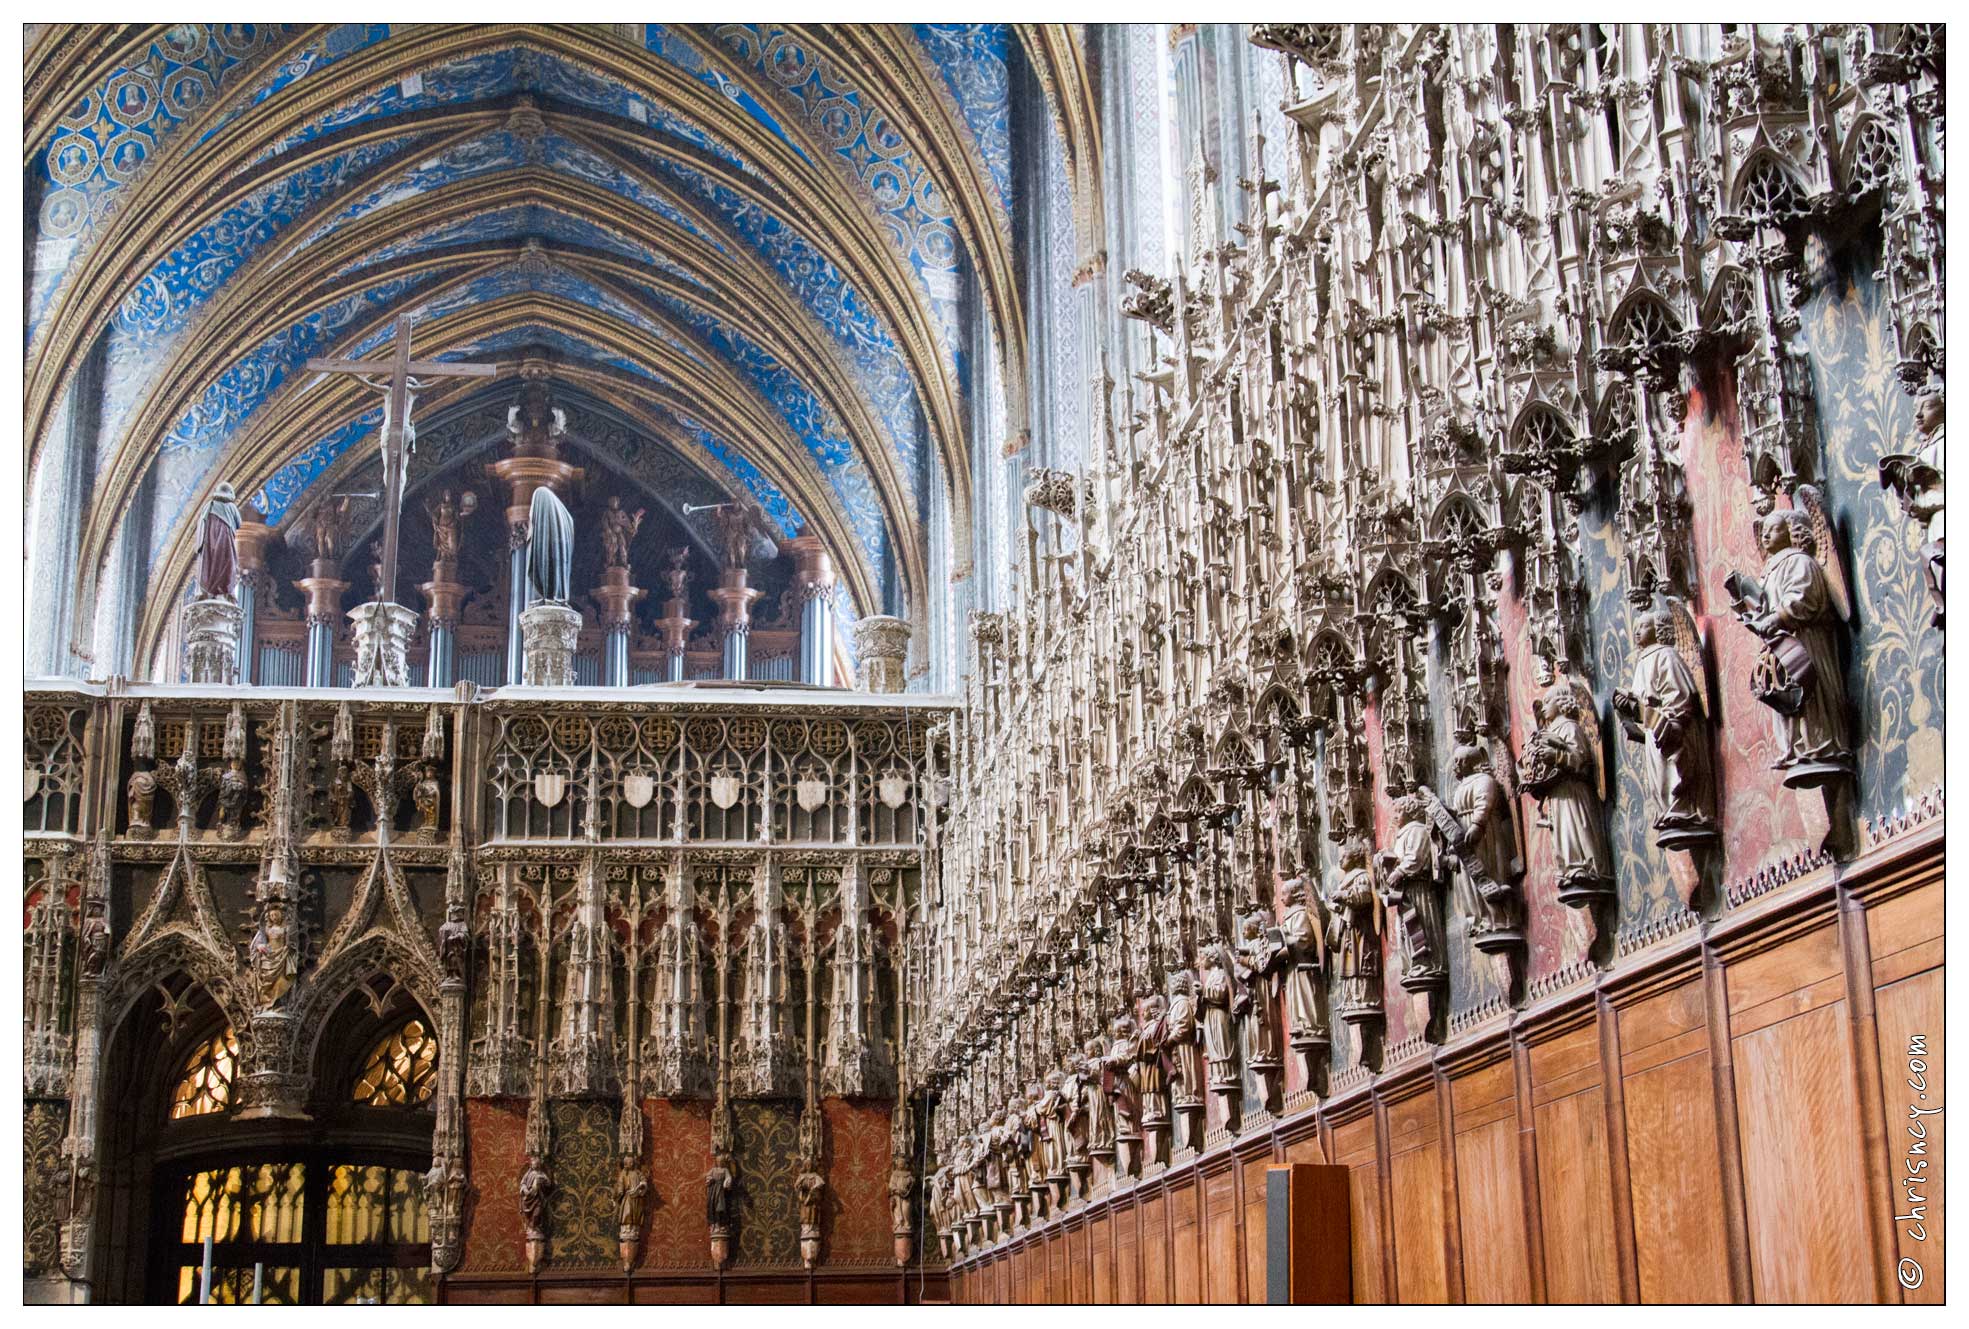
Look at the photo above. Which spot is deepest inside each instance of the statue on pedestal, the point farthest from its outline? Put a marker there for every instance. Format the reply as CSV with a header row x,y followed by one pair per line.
x,y
1485,862
619,527
1796,610
218,552
1304,936
549,548
1354,936
1665,708
1218,999
1413,887
549,627
1565,771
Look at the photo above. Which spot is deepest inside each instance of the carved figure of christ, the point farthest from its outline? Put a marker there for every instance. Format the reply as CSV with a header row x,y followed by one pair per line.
x,y
403,379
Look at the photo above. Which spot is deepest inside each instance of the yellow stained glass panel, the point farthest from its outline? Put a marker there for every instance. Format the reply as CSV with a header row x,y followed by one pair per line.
x,y
205,1083
401,1070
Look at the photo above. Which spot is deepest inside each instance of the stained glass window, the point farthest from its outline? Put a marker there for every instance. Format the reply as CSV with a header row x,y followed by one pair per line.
x,y
372,1246
401,1070
376,1204
205,1084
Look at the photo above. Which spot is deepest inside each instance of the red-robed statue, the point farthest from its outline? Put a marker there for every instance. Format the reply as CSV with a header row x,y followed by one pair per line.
x,y
218,552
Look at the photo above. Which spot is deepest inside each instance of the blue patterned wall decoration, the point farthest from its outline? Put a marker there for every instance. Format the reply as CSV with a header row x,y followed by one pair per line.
x,y
514,278
877,361
905,193
661,40
497,151
544,221
1895,682
341,40
972,57
164,298
583,163
776,505
288,483
163,303
111,133
474,78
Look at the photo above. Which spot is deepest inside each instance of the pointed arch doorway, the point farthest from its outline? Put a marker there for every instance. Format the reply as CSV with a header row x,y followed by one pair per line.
x,y
224,1209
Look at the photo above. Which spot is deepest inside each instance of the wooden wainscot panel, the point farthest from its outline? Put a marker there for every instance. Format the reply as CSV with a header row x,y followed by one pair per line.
x,y
1904,935
1575,1186
1354,1149
761,1292
1100,1238
1155,1253
1185,1273
1681,1242
695,1292
1128,1256
486,1294
1797,1120
1254,1229
1220,1218
855,1292
1909,1015
1415,1163
1489,1192
1081,1276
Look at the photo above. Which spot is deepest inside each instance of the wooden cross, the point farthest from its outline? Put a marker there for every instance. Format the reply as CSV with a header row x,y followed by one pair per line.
x,y
405,377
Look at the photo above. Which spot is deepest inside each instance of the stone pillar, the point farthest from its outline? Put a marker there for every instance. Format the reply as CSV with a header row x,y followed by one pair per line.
x,y
382,644
253,539
324,591
734,600
617,599
676,623
551,633
813,582
212,641
536,427
882,642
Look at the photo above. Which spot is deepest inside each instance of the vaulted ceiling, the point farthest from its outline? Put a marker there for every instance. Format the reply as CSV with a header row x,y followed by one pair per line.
x,y
768,240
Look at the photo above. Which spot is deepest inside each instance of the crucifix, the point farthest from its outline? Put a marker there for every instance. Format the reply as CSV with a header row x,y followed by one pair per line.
x,y
404,377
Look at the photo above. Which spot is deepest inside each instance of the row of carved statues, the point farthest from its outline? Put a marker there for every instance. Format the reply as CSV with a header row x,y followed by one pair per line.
x,y
1385,558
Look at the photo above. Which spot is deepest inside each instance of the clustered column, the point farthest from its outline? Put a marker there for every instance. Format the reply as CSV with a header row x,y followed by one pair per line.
x,y
813,581
324,591
733,596
617,598
676,623
253,539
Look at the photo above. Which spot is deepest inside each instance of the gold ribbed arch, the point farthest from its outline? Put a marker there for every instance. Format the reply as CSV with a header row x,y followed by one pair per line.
x,y
842,224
